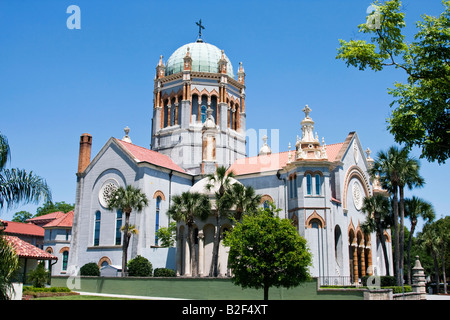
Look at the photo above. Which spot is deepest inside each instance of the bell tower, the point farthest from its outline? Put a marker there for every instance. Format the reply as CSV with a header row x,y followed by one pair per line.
x,y
194,88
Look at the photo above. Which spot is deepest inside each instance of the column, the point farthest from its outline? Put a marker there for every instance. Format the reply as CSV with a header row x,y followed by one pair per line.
x,y
201,253
363,259
179,240
187,256
355,261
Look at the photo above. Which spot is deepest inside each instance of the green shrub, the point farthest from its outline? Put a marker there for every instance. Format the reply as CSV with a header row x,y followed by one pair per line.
x,y
139,267
51,289
90,269
398,289
39,276
164,272
385,281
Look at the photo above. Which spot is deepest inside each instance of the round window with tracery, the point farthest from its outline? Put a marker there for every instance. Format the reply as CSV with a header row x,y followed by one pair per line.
x,y
106,190
357,196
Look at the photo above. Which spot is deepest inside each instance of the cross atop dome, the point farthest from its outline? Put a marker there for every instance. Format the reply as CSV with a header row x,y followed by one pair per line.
x,y
306,110
200,27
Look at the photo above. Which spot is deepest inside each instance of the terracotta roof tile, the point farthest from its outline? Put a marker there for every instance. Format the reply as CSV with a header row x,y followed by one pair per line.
x,y
65,220
24,228
146,155
274,161
27,250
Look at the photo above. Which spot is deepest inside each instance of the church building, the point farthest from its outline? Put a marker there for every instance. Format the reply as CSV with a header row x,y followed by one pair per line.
x,y
199,123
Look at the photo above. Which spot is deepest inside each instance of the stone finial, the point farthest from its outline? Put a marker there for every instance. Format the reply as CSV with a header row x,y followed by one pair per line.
x,y
126,138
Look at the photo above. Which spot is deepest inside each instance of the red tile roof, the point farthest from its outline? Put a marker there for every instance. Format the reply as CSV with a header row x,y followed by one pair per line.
x,y
26,250
64,221
274,161
24,229
49,216
146,155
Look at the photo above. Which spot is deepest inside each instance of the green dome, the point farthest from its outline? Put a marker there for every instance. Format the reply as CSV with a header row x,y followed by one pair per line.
x,y
205,58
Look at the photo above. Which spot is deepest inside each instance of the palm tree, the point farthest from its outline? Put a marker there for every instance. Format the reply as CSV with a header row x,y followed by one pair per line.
x,y
395,169
378,219
18,185
127,199
429,239
9,263
222,179
186,207
245,199
415,208
409,177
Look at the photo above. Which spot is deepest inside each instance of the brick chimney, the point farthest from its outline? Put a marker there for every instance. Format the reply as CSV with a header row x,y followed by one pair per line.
x,y
85,152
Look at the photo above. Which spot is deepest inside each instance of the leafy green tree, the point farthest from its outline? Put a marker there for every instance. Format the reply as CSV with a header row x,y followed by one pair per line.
x,y
22,216
416,208
50,207
17,185
223,180
127,199
422,116
187,207
378,219
267,251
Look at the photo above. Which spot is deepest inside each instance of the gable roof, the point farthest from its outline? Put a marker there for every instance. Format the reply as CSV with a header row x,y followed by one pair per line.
x,y
46,218
141,154
22,228
63,221
27,250
274,161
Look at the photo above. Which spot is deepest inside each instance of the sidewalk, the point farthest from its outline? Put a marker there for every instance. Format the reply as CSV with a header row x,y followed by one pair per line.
x,y
438,297
124,296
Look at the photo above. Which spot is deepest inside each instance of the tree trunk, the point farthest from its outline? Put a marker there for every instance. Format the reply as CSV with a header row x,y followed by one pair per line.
x,y
402,232
213,271
192,255
266,292
408,249
436,270
396,238
125,244
443,270
385,255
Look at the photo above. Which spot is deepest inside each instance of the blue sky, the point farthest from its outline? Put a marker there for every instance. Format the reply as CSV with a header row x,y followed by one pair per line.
x,y
56,83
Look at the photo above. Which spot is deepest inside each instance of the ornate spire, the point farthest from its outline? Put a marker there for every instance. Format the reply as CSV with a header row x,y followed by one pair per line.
x,y
308,128
265,149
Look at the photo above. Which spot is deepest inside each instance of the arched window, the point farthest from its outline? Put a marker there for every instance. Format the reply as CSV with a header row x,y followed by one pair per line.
x,y
98,216
318,181
65,260
158,205
308,184
203,113
293,193
118,226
